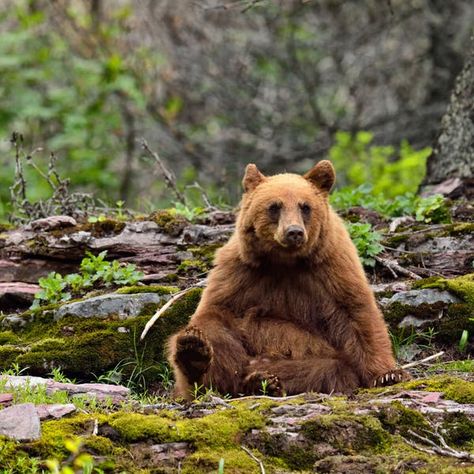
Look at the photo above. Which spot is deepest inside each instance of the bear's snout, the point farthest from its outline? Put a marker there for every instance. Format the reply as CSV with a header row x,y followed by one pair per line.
x,y
294,236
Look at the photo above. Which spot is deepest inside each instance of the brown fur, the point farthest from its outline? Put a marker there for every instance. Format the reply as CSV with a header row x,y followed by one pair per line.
x,y
301,317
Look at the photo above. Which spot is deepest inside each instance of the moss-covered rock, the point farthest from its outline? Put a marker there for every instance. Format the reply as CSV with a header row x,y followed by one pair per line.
x,y
82,347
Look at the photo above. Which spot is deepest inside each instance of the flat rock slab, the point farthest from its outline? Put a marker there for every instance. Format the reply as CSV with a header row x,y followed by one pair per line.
x,y
104,306
15,295
116,393
56,410
20,422
418,297
6,399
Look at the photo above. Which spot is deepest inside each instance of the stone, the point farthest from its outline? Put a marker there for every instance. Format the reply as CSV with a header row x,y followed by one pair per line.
x,y
6,399
56,410
104,306
116,393
16,295
20,422
52,222
418,297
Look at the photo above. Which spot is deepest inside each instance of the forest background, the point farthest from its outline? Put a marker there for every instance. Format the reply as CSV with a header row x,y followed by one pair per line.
x,y
212,86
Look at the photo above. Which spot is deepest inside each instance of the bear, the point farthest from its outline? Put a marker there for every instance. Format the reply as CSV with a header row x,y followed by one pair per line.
x,y
287,308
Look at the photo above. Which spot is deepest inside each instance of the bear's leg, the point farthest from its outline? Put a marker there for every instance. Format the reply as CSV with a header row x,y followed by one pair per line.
x,y
311,375
208,355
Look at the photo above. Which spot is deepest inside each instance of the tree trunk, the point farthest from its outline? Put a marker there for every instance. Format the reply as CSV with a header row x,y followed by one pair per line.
x,y
450,168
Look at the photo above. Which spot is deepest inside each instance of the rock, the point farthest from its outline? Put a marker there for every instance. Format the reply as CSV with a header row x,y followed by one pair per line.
x,y
16,295
101,391
418,297
56,410
124,306
6,399
52,222
20,422
15,321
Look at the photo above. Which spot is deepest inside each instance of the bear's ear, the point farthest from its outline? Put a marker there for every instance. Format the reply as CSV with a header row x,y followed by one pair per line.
x,y
252,178
322,175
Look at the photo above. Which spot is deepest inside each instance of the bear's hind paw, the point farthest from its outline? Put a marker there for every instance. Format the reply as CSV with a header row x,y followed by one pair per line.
x,y
391,377
263,383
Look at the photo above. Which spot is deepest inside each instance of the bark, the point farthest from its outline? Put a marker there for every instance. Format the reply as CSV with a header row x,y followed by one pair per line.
x,y
453,153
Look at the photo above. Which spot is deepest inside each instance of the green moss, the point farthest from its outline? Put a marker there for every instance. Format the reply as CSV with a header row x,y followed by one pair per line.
x,y
459,429
454,388
396,418
133,427
81,346
169,222
8,337
453,366
462,286
348,433
158,289
192,266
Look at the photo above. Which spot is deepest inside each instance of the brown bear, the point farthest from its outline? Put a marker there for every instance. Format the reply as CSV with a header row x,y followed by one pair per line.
x,y
288,308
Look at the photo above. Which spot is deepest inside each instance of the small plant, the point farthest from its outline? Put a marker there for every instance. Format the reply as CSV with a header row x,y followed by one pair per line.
x,y
366,240
220,469
462,345
432,209
264,388
190,213
58,376
407,346
95,271
15,370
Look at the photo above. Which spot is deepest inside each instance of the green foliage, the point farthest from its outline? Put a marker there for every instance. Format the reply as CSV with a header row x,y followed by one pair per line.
x,y
77,97
432,209
359,163
366,240
407,346
95,272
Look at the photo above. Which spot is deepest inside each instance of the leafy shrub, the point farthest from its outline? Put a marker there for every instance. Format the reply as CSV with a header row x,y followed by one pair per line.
x,y
95,272
430,209
366,240
359,163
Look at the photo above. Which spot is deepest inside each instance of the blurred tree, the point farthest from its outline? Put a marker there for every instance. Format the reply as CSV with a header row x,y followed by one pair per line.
x,y
453,154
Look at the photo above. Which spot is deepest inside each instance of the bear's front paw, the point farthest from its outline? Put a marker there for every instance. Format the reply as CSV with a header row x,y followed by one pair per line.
x,y
263,383
392,377
193,353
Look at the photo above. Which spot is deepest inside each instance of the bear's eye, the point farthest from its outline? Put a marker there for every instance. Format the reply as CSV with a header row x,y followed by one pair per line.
x,y
274,210
305,209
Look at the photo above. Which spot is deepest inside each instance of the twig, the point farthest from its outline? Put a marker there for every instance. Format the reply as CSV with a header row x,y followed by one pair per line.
x,y
169,177
95,430
393,266
422,361
260,463
444,450
170,302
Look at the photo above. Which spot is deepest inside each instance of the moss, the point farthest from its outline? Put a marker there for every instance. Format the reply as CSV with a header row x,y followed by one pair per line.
x,y
453,366
134,427
192,266
454,388
158,289
169,222
462,286
348,433
8,337
81,346
396,418
459,429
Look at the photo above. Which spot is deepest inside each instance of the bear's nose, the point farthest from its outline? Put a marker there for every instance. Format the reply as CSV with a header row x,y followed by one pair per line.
x,y
294,235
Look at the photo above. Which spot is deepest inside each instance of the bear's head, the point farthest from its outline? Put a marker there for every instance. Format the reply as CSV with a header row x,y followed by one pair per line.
x,y
282,217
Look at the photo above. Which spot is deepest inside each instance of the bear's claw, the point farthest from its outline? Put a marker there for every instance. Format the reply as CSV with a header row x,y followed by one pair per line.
x,y
193,353
392,377
263,383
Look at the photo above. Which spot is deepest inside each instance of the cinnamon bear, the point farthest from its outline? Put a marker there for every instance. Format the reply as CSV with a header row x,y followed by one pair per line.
x,y
287,305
